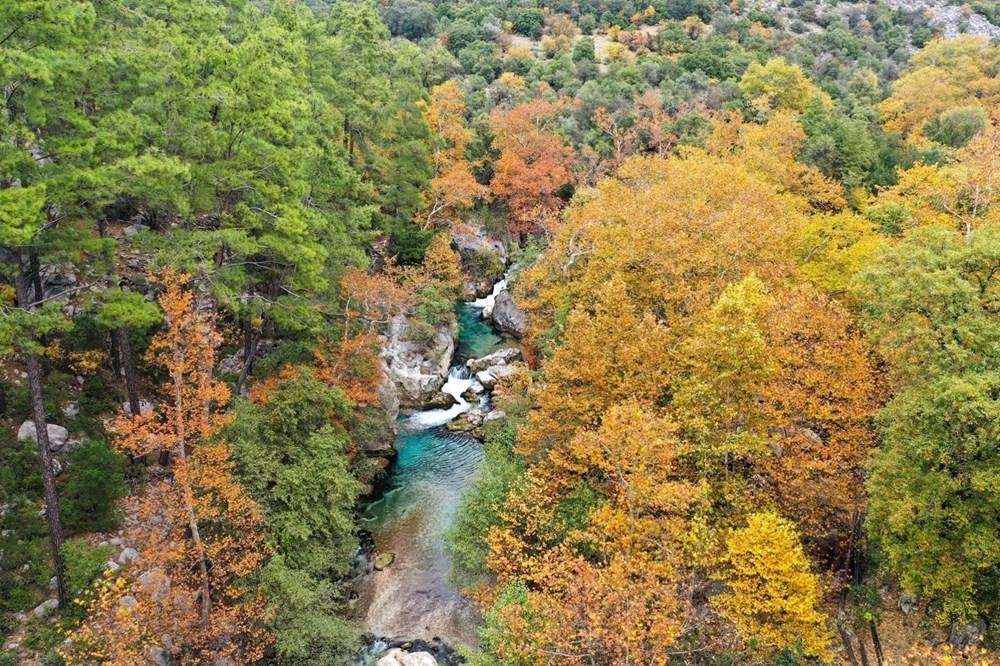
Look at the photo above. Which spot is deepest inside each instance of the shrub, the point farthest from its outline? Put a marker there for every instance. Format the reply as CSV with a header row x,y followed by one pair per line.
x,y
95,481
84,565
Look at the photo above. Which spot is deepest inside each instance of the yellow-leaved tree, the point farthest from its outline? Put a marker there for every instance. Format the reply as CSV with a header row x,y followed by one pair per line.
x,y
772,597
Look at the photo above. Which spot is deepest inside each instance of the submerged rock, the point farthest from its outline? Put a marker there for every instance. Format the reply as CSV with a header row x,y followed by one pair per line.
x,y
384,561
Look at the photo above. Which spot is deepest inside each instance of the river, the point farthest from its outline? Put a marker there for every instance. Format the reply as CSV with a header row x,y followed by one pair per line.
x,y
414,597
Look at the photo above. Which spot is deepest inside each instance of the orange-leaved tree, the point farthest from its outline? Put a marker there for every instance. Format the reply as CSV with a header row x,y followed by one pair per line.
x,y
534,164
199,534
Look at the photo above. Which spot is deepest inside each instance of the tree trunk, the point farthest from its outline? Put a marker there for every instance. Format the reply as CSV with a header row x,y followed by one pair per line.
x,y
115,357
120,335
44,453
34,265
846,638
863,651
877,642
250,341
181,453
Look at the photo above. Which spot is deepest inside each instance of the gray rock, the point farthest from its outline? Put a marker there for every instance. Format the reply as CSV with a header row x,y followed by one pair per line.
x,y
417,371
494,416
500,357
158,656
144,407
71,410
473,238
507,317
966,635
111,565
907,602
128,556
441,401
473,392
133,229
396,657
155,583
128,601
485,379
57,434
488,378
46,607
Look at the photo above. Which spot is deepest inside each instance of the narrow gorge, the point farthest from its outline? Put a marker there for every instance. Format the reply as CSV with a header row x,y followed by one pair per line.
x,y
405,594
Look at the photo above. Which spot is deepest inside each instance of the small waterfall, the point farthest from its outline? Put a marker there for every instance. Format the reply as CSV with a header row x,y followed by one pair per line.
x,y
486,303
459,381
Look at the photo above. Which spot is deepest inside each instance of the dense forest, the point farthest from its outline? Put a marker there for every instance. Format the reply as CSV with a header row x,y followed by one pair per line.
x,y
499,332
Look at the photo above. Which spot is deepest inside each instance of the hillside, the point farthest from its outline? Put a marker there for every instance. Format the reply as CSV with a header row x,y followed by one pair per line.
x,y
499,332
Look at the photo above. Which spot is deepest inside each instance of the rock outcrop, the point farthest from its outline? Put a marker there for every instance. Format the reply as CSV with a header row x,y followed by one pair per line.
x,y
484,258
417,370
507,317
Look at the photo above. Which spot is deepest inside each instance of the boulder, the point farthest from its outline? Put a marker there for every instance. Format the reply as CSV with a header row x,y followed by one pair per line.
x,y
155,583
966,635
133,229
128,556
441,401
71,410
507,317
473,392
500,357
466,422
396,657
494,416
128,601
486,379
489,377
57,435
473,238
144,407
907,602
158,656
46,607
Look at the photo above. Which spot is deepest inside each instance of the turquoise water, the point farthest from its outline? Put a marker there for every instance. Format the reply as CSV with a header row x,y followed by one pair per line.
x,y
475,335
414,598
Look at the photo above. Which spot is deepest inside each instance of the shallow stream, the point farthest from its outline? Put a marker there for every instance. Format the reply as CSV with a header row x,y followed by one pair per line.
x,y
414,597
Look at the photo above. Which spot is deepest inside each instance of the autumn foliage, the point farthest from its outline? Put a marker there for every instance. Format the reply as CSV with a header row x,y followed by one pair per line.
x,y
198,533
703,412
453,187
534,164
